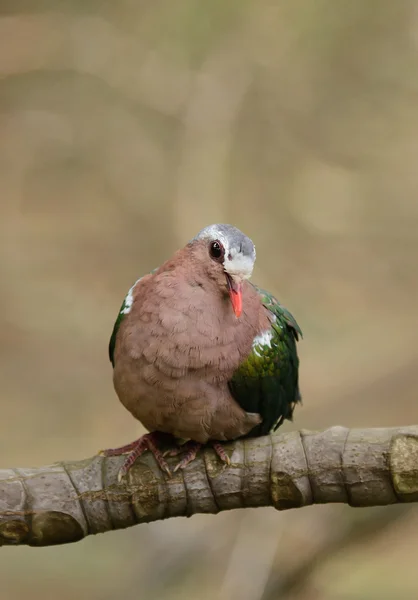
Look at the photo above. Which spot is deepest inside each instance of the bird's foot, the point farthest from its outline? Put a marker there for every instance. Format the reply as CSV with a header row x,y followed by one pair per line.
x,y
220,452
135,450
121,450
192,448
179,449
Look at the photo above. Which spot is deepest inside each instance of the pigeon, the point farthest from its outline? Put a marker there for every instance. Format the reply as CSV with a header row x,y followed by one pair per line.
x,y
201,355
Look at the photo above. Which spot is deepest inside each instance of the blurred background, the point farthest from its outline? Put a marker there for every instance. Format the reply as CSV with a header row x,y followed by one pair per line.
x,y
127,126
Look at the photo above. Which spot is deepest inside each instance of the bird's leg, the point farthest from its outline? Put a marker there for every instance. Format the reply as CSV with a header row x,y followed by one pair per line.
x,y
179,449
220,452
136,449
190,455
118,451
193,449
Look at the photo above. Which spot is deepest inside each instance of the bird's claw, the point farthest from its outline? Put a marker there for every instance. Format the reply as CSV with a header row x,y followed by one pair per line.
x,y
192,451
166,469
148,442
135,450
190,454
122,449
173,452
220,452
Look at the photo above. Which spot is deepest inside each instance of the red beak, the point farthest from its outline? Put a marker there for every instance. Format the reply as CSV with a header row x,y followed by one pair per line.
x,y
235,293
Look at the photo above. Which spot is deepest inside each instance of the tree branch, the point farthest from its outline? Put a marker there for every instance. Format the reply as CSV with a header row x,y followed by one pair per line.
x,y
67,501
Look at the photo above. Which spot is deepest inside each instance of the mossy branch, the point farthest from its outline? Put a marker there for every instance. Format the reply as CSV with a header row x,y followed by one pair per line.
x,y
67,501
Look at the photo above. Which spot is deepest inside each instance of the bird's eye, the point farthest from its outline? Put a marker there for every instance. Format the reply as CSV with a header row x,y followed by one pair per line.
x,y
216,250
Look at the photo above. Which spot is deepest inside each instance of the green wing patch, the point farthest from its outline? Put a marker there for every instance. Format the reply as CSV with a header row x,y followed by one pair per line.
x,y
124,310
267,382
276,308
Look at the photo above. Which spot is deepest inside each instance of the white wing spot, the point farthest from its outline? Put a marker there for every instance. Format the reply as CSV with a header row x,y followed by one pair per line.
x,y
263,339
129,299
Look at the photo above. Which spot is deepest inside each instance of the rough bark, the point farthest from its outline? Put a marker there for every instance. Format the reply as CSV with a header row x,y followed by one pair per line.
x,y
67,501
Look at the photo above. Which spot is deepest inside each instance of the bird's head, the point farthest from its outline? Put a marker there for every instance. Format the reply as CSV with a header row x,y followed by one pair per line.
x,y
230,257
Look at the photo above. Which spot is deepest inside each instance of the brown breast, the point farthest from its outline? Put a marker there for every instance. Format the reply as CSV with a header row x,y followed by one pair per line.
x,y
179,346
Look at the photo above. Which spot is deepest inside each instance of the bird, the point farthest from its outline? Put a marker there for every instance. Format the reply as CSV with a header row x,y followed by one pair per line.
x,y
201,355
